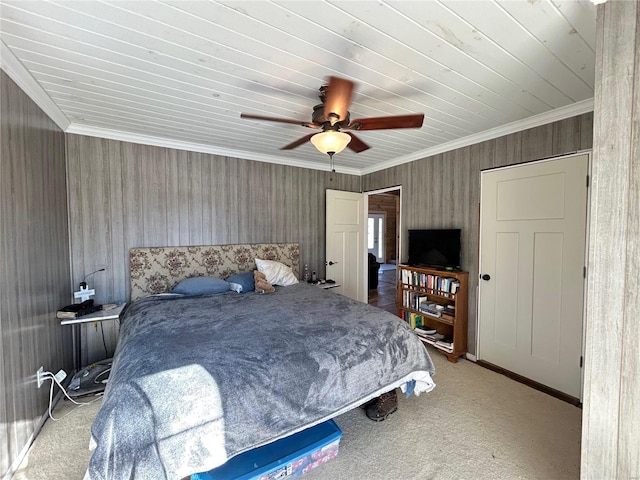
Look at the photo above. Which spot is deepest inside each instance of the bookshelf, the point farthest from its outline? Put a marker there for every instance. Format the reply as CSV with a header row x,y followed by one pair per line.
x,y
437,300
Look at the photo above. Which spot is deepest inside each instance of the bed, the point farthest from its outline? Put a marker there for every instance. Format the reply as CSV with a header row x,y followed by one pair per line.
x,y
199,379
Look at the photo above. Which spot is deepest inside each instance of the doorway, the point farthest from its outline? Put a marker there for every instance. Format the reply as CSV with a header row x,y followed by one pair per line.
x,y
383,244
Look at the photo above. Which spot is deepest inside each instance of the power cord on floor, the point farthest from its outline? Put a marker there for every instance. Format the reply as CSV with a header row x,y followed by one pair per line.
x,y
54,380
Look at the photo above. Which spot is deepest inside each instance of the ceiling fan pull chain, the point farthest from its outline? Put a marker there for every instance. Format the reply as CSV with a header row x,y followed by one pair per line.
x,y
333,170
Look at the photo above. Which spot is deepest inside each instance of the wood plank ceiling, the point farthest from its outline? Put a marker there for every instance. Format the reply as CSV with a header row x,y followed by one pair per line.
x,y
179,73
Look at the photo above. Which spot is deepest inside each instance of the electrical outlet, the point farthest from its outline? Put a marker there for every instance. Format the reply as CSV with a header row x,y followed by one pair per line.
x,y
40,376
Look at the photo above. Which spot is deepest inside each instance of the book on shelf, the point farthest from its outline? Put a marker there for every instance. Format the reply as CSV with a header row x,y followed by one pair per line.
x,y
432,337
424,330
439,284
447,318
445,344
413,319
431,308
419,300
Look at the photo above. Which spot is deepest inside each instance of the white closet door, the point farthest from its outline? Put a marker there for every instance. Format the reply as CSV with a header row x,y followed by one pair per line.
x,y
532,255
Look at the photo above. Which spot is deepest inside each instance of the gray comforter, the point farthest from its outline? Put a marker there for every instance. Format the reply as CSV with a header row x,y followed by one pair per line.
x,y
197,380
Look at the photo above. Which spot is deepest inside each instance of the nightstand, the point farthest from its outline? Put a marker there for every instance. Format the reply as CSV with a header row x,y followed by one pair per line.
x,y
99,316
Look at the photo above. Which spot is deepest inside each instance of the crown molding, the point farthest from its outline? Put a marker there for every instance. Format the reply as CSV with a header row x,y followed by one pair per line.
x,y
19,74
545,118
122,136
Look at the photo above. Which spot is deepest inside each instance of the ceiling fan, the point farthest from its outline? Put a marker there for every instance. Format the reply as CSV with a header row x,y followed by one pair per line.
x,y
332,115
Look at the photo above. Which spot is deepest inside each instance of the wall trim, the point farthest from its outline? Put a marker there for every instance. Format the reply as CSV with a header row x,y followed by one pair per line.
x,y
19,74
531,383
545,118
122,136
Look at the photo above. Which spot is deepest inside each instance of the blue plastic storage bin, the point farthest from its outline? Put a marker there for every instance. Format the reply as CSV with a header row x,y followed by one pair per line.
x,y
285,458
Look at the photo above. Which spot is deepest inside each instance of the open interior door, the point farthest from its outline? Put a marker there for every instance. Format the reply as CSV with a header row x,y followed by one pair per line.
x,y
346,255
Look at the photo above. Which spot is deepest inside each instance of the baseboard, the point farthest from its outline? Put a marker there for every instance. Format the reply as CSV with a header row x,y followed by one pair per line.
x,y
531,383
471,357
13,468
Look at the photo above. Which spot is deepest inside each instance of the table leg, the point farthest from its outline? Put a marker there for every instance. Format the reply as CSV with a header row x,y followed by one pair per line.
x,y
76,347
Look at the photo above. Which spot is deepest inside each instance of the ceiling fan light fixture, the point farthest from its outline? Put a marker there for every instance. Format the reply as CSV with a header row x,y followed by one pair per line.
x,y
330,141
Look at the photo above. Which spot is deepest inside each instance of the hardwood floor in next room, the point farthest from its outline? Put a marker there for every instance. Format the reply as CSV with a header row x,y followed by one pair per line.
x,y
384,296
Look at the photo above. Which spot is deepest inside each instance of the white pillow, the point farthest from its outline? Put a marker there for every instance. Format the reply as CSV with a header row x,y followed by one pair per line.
x,y
277,273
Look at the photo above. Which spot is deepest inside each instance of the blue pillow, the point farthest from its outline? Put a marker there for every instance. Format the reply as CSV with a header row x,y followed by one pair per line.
x,y
245,280
201,286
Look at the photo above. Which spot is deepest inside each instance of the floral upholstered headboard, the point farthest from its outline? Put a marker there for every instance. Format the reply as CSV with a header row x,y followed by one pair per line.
x,y
157,269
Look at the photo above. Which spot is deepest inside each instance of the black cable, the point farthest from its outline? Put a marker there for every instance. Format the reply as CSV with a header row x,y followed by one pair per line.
x,y
83,283
103,341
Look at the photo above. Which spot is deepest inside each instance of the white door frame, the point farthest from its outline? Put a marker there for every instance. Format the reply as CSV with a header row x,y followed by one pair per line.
x,y
586,266
586,252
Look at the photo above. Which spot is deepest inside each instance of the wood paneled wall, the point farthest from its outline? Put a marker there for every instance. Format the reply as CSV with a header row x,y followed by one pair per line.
x,y
443,191
387,203
34,264
125,195
611,427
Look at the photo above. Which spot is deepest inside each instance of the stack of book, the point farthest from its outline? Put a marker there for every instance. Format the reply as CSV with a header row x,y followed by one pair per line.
x,y
431,308
445,344
425,331
439,340
432,337
77,310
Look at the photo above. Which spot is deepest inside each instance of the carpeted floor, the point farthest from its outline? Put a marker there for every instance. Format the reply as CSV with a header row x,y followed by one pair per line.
x,y
476,424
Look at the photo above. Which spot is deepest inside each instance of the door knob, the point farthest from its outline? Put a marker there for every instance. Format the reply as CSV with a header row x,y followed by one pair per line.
x,y
331,263
485,276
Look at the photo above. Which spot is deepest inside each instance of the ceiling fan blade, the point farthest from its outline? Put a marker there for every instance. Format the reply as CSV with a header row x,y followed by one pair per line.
x,y
381,123
298,142
280,120
356,144
338,98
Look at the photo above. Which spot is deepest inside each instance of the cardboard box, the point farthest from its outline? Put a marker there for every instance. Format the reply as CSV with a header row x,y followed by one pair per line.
x,y
288,457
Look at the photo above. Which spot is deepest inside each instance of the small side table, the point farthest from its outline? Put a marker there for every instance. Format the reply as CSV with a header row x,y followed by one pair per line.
x,y
99,316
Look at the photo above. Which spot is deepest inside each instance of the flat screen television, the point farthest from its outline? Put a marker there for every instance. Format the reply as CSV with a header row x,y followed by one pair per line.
x,y
435,248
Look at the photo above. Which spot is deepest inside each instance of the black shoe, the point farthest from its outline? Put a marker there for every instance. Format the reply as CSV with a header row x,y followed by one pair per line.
x,y
366,405
385,405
